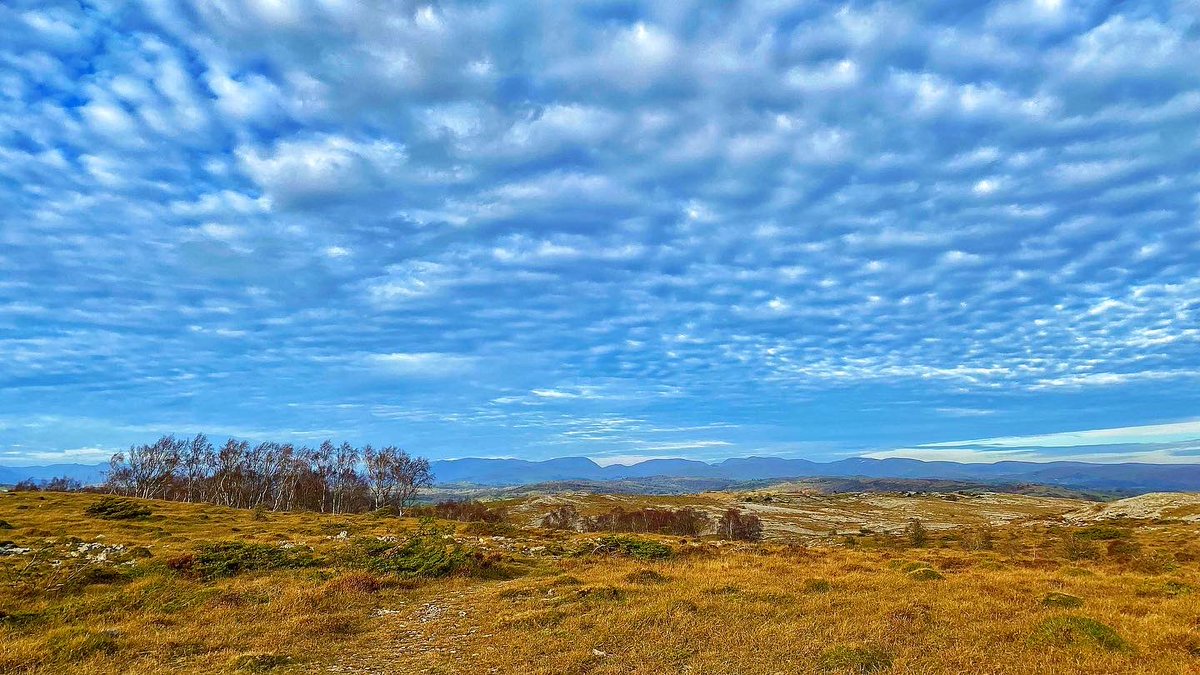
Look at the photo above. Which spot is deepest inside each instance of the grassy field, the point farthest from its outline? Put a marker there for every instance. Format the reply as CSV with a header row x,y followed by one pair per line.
x,y
999,587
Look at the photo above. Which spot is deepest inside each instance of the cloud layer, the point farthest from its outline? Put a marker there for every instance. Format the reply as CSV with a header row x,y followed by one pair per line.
x,y
617,229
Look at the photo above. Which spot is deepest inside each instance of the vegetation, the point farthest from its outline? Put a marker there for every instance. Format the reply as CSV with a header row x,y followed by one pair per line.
x,y
269,476
115,508
201,588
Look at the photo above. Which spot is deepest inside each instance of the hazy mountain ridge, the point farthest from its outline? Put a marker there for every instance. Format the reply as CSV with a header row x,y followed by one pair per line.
x,y
1124,477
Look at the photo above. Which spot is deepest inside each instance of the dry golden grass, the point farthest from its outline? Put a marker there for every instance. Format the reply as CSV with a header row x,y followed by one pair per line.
x,y
850,604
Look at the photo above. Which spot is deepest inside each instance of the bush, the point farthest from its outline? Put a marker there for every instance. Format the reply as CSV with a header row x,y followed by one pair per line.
x,y
862,660
916,533
117,508
629,546
467,511
227,559
1102,533
1070,630
685,522
1080,548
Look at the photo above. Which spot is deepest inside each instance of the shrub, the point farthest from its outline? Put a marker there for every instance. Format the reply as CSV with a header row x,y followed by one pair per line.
x,y
629,546
117,508
1153,563
230,558
1123,550
1102,533
685,522
467,511
862,660
1071,630
1079,548
916,533
1061,600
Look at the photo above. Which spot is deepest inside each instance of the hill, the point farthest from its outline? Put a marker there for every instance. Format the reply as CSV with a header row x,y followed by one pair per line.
x,y
999,584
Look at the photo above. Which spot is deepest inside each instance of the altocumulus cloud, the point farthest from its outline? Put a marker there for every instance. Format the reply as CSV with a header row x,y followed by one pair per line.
x,y
608,228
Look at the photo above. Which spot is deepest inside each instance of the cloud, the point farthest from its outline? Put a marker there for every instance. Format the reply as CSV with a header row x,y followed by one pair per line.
x,y
846,228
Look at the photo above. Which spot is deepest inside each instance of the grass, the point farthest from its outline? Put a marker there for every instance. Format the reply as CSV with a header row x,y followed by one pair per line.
x,y
290,594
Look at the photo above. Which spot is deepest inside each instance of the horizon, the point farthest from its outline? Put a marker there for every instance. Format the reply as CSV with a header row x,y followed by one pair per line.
x,y
623,232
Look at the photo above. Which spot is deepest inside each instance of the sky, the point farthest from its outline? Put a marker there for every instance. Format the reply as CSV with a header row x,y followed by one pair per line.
x,y
620,230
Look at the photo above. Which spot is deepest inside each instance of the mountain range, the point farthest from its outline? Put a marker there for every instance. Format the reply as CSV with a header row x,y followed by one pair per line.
x,y
1125,477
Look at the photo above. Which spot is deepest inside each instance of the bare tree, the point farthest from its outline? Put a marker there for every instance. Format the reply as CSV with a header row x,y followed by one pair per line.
x,y
345,476
148,471
197,460
381,477
410,474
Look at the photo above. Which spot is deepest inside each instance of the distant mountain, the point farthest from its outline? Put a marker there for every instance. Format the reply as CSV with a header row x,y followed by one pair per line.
x,y
88,474
1126,477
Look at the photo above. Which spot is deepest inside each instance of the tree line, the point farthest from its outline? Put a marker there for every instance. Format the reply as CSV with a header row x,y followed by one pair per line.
x,y
329,478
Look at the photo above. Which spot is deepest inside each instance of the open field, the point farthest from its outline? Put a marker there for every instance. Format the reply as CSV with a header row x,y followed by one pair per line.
x,y
1005,584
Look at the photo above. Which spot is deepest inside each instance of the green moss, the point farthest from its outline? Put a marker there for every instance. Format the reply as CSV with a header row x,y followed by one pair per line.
x,y
1061,600
817,586
925,574
862,660
1079,630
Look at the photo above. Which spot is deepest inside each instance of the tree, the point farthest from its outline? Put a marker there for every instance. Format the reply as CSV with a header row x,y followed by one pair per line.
x,y
198,459
381,478
736,525
344,477
411,475
147,471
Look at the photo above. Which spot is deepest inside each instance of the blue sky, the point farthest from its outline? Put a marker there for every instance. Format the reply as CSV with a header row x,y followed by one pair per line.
x,y
612,229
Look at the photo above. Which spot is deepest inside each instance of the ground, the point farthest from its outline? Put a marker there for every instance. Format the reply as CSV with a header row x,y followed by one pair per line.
x,y
1005,584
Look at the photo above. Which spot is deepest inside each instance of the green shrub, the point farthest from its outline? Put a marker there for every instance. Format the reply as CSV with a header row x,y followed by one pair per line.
x,y
430,552
1102,533
1061,600
230,558
1073,630
1080,548
116,508
862,660
629,546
